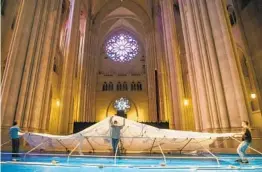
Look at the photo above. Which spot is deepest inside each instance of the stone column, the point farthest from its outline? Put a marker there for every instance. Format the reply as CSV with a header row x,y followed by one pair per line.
x,y
13,77
93,81
46,57
192,78
214,78
83,74
162,63
197,60
150,67
68,69
173,60
226,52
206,66
33,105
88,55
76,78
55,19
27,89
91,74
160,66
218,87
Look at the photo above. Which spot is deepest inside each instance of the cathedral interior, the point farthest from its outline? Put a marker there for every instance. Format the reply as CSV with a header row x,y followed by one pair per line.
x,y
194,64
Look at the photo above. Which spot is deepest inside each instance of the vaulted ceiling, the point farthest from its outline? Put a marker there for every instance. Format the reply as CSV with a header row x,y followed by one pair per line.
x,y
97,5
112,15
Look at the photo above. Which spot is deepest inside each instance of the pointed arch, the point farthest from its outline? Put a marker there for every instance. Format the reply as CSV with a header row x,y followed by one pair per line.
x,y
130,5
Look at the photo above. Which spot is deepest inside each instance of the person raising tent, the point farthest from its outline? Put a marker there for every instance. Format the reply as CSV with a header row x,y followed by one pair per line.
x,y
13,132
115,133
246,141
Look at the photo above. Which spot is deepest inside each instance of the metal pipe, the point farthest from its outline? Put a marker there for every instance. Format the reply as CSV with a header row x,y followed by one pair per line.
x,y
90,144
5,143
116,152
162,153
210,153
152,146
72,151
185,145
35,148
62,144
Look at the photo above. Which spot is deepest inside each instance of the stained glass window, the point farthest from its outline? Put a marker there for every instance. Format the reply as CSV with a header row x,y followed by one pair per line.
x,y
122,104
122,47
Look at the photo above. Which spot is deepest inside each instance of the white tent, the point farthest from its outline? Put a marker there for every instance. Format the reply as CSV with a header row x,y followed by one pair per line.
x,y
135,137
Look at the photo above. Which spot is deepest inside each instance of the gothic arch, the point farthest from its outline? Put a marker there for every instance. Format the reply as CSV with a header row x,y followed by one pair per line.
x,y
112,5
240,59
248,77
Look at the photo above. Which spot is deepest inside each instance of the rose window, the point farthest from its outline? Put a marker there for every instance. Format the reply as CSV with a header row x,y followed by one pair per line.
x,y
121,48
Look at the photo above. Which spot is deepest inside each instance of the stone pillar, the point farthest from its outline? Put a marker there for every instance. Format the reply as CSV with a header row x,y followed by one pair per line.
x,y
214,79
9,14
91,74
206,66
214,66
197,60
192,78
66,112
160,66
55,19
15,68
27,88
84,73
33,104
46,56
226,52
87,116
150,67
173,61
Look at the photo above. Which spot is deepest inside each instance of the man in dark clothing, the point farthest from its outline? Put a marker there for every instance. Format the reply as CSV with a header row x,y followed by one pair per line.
x,y
246,141
115,133
13,132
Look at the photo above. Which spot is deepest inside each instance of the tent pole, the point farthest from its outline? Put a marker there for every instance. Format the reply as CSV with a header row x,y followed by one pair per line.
x,y
162,153
90,144
248,146
122,147
116,152
5,143
185,146
72,151
62,144
152,146
80,147
210,153
35,147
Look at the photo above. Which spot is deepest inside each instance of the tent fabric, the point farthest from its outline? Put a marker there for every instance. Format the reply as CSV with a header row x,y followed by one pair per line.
x,y
135,137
